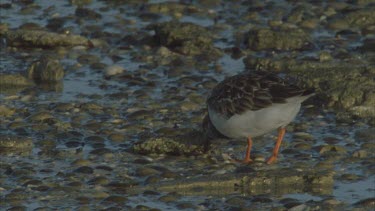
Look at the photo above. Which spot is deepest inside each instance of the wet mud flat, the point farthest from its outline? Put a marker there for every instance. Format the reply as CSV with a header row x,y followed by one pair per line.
x,y
101,105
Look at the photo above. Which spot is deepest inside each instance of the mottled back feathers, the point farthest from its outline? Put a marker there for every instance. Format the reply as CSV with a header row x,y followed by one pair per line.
x,y
251,91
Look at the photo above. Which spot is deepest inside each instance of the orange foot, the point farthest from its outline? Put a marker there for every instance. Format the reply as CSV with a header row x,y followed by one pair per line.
x,y
271,160
245,161
247,158
275,151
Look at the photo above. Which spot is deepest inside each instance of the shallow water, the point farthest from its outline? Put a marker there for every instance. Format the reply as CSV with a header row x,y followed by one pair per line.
x,y
51,170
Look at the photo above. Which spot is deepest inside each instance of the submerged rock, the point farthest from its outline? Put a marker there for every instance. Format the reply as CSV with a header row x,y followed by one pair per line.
x,y
6,111
43,39
46,69
185,38
264,39
367,203
9,80
171,8
11,143
358,18
365,135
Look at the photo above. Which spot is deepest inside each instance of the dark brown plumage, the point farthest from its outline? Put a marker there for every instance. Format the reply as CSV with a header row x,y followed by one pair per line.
x,y
251,91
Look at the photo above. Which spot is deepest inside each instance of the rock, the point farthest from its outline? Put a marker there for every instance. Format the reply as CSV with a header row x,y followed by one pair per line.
x,y
10,80
80,2
46,69
332,148
43,39
353,19
114,70
6,111
350,177
171,8
360,154
300,207
40,116
359,18
172,197
146,171
368,203
87,13
325,56
115,199
192,143
88,59
185,38
365,135
84,170
265,39
9,143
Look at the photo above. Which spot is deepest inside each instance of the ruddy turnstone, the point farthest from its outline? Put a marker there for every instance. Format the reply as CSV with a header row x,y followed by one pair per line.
x,y
252,104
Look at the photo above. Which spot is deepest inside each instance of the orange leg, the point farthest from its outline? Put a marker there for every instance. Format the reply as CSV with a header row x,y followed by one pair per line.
x,y
277,146
248,150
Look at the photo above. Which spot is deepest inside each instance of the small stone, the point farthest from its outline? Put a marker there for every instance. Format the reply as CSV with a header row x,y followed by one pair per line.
x,y
332,202
350,177
262,199
114,70
99,181
325,56
236,200
81,162
39,117
6,111
189,106
115,199
84,170
303,136
186,205
152,179
368,203
146,171
331,148
301,207
142,207
359,154
117,137
10,142
172,197
88,59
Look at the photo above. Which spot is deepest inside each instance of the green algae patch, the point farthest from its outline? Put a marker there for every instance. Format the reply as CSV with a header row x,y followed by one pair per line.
x,y
187,144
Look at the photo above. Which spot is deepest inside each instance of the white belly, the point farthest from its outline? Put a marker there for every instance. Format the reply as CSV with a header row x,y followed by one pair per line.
x,y
255,123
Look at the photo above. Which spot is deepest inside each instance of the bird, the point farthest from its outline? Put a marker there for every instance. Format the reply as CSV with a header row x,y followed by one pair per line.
x,y
251,104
